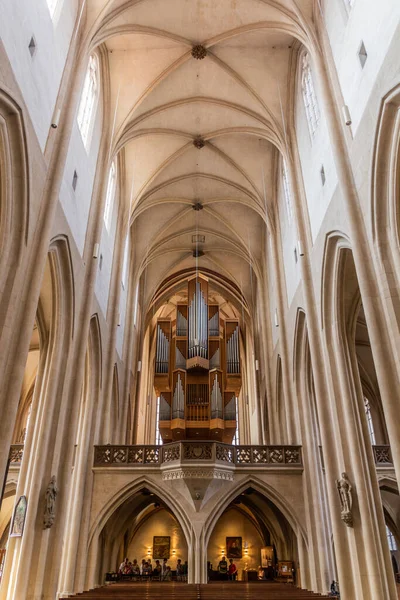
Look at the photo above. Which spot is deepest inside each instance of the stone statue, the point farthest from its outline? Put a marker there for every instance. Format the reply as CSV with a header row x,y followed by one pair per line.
x,y
344,488
49,510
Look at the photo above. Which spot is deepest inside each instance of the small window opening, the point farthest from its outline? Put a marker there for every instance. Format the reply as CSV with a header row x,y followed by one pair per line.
x,y
295,255
100,261
74,180
32,46
362,55
322,173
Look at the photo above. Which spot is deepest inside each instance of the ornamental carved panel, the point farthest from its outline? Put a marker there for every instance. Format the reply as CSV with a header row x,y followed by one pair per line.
x,y
136,455
224,453
197,451
276,455
243,454
171,453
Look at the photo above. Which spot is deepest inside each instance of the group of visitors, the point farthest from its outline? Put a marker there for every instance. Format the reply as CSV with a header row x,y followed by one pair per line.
x,y
231,570
146,570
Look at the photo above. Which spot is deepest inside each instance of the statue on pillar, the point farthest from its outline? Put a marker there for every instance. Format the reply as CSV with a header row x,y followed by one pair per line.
x,y
49,510
344,488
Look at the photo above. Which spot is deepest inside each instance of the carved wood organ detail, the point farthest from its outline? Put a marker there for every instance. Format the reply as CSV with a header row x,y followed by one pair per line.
x,y
197,371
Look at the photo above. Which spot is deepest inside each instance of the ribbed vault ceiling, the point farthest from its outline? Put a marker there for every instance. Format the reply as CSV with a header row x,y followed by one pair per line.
x,y
234,99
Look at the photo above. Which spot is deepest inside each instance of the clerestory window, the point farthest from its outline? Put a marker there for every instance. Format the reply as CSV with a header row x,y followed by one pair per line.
x,y
391,540
111,185
287,192
370,422
88,104
124,275
309,96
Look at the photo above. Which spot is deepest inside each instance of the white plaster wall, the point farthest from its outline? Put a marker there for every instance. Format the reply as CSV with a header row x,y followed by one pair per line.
x,y
76,204
369,21
39,76
289,242
315,152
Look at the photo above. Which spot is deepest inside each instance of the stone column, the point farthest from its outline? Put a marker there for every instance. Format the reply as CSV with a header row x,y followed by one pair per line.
x,y
113,315
16,340
326,411
291,409
388,376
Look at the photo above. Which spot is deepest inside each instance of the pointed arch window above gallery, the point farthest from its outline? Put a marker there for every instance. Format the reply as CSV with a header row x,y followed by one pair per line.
x,y
287,192
89,100
110,195
309,95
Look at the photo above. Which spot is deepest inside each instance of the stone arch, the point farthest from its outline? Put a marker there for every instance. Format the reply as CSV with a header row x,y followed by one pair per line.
x,y
385,195
14,193
177,506
266,490
341,300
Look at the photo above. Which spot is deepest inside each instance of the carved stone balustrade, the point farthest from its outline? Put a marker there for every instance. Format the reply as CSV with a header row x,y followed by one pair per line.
x,y
205,453
382,456
15,455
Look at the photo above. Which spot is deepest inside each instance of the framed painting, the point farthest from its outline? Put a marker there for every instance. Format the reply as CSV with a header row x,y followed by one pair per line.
x,y
267,556
161,546
234,547
18,521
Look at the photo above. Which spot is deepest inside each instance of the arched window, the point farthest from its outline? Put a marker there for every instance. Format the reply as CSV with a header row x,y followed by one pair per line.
x,y
287,192
136,306
159,440
369,421
391,540
309,96
236,441
125,263
108,210
88,103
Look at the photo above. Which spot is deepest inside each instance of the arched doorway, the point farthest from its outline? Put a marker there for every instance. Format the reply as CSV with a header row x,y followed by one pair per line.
x,y
254,535
141,525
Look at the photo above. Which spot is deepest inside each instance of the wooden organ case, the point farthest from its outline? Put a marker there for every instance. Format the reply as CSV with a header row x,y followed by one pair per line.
x,y
197,371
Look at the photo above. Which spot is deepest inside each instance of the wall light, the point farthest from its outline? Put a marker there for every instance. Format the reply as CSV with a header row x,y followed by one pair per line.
x,y
149,551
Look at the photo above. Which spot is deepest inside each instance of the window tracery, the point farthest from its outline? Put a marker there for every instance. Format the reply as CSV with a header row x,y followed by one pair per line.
x,y
309,96
88,102
391,540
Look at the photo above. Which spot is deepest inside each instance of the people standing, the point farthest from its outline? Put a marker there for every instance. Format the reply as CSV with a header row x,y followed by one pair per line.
x,y
232,570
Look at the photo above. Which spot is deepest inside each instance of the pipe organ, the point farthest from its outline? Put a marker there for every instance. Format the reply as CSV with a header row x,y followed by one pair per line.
x,y
197,369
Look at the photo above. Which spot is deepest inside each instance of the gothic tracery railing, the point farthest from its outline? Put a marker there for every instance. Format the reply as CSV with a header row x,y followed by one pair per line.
x,y
382,455
188,452
16,454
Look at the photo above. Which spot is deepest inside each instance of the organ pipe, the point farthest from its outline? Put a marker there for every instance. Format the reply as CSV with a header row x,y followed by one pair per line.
x,y
216,400
178,400
233,363
198,324
162,352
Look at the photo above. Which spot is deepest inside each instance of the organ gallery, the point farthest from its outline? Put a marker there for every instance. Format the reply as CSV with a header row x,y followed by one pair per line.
x,y
197,369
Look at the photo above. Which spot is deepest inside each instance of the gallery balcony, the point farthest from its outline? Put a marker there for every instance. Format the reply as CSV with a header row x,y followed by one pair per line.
x,y
188,454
